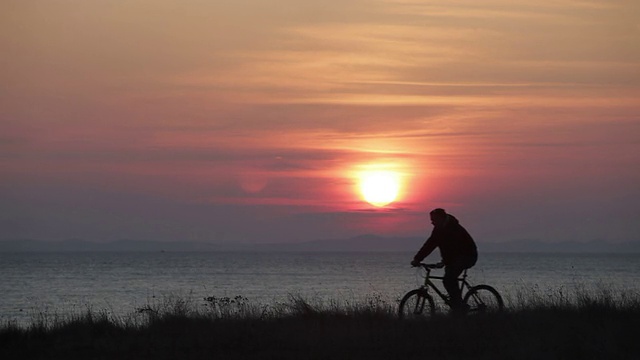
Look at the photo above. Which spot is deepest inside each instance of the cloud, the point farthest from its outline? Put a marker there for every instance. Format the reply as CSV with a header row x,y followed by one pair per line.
x,y
264,111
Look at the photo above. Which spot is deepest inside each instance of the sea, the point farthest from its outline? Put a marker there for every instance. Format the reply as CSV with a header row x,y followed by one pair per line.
x,y
122,283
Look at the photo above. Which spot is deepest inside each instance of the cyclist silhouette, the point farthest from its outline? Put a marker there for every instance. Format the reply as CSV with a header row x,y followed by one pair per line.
x,y
457,249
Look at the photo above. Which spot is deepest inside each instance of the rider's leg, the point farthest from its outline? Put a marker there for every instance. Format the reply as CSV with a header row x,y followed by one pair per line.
x,y
451,274
450,282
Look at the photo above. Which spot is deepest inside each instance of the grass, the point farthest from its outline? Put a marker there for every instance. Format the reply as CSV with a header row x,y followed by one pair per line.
x,y
555,325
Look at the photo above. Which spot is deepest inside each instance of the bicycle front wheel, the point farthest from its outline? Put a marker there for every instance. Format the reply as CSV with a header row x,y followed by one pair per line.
x,y
416,304
483,299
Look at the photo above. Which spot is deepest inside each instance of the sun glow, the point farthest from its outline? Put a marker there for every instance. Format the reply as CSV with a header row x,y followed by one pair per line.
x,y
379,188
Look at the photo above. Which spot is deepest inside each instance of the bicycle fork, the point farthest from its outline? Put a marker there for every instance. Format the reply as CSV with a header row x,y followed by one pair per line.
x,y
421,300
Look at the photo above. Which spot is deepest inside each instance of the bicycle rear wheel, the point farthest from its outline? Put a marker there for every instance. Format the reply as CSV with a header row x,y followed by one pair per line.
x,y
483,299
416,304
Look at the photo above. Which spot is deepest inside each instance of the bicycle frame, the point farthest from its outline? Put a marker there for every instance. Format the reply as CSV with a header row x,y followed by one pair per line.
x,y
430,284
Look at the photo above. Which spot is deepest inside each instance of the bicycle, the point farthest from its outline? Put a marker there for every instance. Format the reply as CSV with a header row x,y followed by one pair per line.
x,y
419,303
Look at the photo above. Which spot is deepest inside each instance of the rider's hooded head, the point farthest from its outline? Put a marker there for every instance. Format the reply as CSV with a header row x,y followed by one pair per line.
x,y
438,217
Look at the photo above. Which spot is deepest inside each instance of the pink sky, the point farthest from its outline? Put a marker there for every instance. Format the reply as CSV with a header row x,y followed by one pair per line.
x,y
248,121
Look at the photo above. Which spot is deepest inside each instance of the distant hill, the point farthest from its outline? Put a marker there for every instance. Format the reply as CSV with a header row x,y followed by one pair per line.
x,y
359,243
538,246
74,245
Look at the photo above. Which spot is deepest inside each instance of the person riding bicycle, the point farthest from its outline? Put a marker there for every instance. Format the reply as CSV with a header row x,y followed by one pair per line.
x,y
457,249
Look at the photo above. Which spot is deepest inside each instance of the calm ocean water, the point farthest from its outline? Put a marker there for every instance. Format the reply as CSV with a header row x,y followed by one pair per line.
x,y
121,282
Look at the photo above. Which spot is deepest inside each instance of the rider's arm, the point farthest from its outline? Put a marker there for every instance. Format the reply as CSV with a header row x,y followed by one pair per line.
x,y
426,249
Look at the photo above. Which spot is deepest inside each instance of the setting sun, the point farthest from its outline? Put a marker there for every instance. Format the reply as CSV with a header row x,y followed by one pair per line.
x,y
379,188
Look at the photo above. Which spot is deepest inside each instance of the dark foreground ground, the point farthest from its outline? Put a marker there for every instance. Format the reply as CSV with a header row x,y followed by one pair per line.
x,y
591,331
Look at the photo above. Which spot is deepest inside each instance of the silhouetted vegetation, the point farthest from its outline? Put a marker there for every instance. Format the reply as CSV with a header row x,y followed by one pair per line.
x,y
583,325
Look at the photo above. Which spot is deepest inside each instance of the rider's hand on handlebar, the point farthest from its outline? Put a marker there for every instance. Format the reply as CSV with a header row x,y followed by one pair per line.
x,y
415,263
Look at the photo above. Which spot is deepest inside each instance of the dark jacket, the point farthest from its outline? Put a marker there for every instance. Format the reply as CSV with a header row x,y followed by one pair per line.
x,y
452,239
